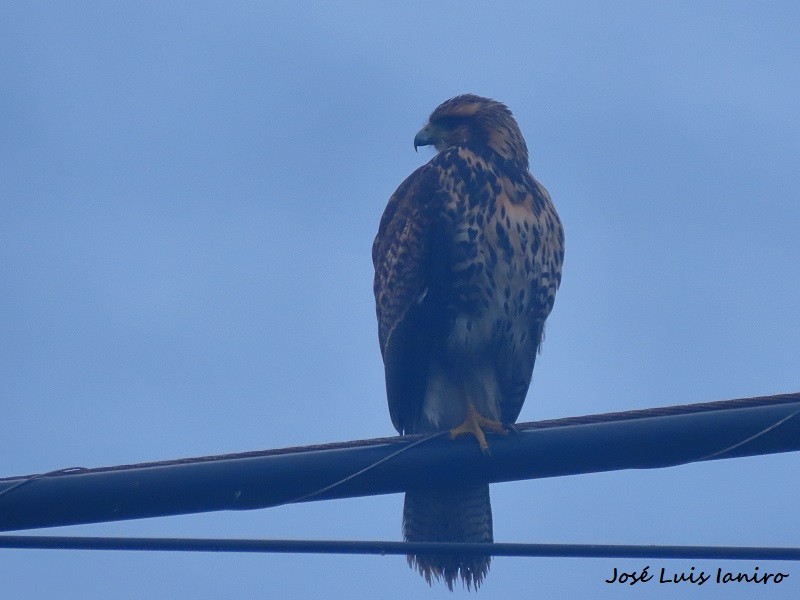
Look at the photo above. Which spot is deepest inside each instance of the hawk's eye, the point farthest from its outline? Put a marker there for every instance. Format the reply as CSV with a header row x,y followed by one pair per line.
x,y
450,123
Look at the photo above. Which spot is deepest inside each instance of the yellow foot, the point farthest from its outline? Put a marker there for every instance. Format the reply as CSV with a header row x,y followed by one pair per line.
x,y
474,424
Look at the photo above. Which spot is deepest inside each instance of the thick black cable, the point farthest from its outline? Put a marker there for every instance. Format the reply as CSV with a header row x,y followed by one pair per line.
x,y
652,438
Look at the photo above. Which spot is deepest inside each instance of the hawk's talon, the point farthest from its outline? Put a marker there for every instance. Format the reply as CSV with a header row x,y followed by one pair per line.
x,y
474,424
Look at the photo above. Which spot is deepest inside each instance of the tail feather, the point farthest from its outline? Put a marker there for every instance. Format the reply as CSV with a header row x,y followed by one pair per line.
x,y
449,515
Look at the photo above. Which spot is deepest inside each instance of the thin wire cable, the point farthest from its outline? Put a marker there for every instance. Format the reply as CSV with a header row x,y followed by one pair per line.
x,y
308,496
383,548
362,471
31,478
441,433
747,440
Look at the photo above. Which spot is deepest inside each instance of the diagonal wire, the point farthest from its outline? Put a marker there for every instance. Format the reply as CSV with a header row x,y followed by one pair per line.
x,y
747,440
366,469
32,478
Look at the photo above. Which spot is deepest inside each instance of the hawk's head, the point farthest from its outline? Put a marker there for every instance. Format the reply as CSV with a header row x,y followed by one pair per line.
x,y
475,122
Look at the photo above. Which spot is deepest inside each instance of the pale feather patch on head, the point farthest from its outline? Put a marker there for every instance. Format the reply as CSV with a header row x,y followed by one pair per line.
x,y
480,120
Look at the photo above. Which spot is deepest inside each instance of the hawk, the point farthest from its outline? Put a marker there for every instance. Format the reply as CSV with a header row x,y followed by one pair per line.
x,y
467,263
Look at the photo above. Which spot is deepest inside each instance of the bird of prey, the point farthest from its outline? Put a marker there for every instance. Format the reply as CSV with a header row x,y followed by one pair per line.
x,y
467,263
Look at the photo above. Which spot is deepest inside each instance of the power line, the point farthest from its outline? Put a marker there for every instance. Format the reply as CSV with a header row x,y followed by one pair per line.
x,y
381,547
643,439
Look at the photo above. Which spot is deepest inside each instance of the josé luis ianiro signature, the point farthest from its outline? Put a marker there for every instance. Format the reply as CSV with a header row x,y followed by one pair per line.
x,y
693,577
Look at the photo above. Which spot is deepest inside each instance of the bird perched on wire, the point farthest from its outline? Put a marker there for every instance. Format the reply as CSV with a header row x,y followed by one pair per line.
x,y
467,263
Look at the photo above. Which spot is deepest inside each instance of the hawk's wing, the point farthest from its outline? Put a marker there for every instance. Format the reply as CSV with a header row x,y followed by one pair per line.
x,y
406,264
515,356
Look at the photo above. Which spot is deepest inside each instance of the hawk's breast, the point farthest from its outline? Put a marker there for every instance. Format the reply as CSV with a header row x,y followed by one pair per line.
x,y
502,261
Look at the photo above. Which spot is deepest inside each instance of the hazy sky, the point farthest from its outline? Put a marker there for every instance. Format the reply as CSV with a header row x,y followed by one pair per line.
x,y
188,197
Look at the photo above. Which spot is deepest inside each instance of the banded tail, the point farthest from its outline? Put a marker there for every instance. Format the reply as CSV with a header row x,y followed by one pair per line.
x,y
449,515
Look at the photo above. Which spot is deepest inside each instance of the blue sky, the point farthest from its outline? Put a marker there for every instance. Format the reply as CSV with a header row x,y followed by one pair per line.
x,y
188,197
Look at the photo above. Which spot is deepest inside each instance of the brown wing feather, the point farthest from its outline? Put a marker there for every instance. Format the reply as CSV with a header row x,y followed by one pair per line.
x,y
404,268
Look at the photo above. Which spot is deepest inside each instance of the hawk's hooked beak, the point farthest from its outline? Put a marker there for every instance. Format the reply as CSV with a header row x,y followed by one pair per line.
x,y
425,137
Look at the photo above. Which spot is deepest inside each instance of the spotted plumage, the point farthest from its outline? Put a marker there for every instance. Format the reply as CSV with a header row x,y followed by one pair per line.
x,y
467,263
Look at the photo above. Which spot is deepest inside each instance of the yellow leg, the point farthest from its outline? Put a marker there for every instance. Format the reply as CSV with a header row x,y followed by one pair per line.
x,y
474,424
